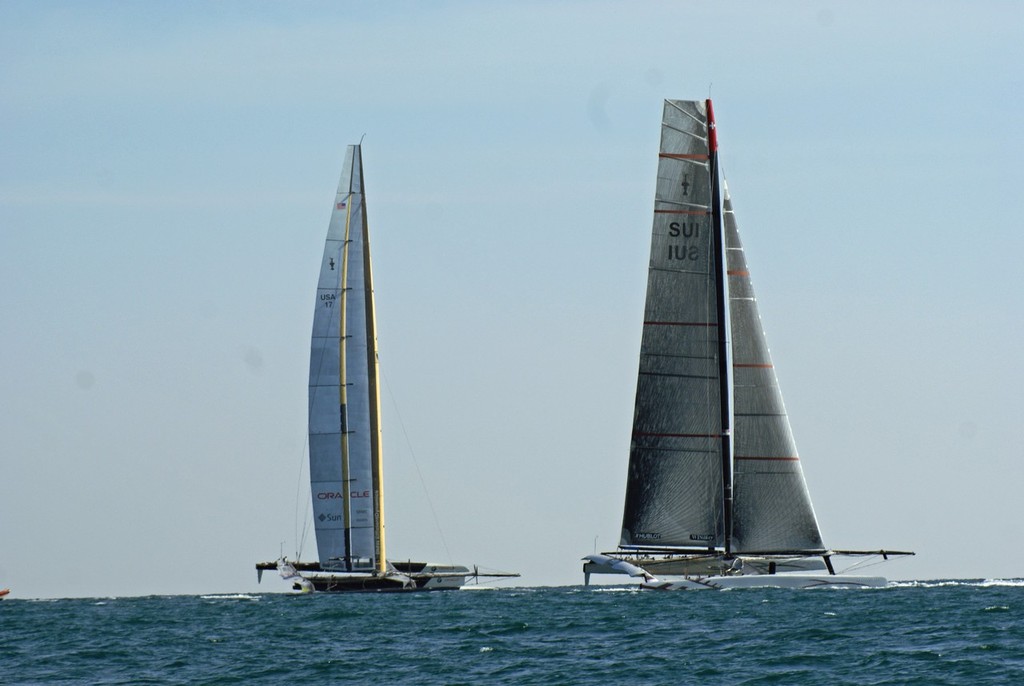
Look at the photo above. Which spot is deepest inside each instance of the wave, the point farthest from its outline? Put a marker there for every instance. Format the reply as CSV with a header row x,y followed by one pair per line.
x,y
230,596
975,583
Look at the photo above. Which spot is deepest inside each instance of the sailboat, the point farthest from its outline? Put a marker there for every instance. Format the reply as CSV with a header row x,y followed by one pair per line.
x,y
715,494
345,457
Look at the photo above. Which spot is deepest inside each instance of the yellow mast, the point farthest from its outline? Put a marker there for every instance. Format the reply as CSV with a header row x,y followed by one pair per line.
x,y
376,452
342,382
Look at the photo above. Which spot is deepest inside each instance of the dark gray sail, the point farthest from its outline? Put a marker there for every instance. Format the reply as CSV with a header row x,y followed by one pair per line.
x,y
715,492
771,506
674,488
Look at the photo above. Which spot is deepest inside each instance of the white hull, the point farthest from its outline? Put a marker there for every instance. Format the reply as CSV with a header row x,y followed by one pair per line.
x,y
766,581
405,576
608,564
401,577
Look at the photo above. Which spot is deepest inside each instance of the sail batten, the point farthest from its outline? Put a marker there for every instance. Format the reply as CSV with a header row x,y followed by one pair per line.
x,y
697,212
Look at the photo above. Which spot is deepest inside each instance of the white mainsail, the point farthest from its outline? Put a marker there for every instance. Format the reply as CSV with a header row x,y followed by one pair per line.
x,y
344,405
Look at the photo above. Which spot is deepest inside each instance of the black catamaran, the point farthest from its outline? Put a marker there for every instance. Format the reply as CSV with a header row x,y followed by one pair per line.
x,y
345,457
715,495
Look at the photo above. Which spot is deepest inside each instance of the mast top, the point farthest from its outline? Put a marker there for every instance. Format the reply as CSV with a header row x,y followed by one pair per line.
x,y
712,133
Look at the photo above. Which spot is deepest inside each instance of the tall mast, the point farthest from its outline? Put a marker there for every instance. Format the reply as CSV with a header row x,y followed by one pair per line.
x,y
343,387
373,374
724,371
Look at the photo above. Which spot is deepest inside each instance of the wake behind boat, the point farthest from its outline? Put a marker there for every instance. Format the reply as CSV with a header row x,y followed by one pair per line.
x,y
715,495
345,457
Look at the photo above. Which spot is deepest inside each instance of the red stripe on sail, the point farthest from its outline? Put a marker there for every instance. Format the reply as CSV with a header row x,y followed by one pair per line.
x,y
656,435
767,459
737,272
674,156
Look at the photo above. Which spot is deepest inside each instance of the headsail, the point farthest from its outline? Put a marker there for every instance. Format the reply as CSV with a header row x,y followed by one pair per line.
x,y
771,506
674,488
344,405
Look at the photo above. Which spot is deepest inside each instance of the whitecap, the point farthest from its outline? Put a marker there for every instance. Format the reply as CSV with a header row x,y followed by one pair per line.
x,y
230,596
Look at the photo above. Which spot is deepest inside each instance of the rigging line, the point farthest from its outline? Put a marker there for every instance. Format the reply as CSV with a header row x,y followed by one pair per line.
x,y
867,562
416,464
300,540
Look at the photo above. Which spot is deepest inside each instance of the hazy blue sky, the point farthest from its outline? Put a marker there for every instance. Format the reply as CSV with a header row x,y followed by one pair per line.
x,y
166,178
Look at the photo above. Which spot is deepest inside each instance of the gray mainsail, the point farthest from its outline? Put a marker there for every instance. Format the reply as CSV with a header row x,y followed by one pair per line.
x,y
344,406
674,487
771,506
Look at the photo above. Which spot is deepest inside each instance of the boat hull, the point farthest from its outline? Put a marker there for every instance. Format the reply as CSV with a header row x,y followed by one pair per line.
x,y
402,577
798,581
428,578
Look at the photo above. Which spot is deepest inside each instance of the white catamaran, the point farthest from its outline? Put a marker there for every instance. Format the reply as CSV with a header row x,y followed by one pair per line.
x,y
715,496
345,462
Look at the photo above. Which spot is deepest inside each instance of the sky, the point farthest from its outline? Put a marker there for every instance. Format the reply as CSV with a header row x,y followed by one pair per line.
x,y
167,176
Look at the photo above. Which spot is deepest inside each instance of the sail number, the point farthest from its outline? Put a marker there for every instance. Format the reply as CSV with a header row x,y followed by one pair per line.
x,y
686,251
327,299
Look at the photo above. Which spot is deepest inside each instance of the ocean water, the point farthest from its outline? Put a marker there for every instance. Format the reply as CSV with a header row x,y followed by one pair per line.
x,y
952,632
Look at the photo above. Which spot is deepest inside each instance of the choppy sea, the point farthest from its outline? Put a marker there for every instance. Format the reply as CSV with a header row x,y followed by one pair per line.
x,y
941,632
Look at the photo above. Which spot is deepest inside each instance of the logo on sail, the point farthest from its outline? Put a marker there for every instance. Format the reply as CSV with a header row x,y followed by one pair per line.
x,y
644,536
